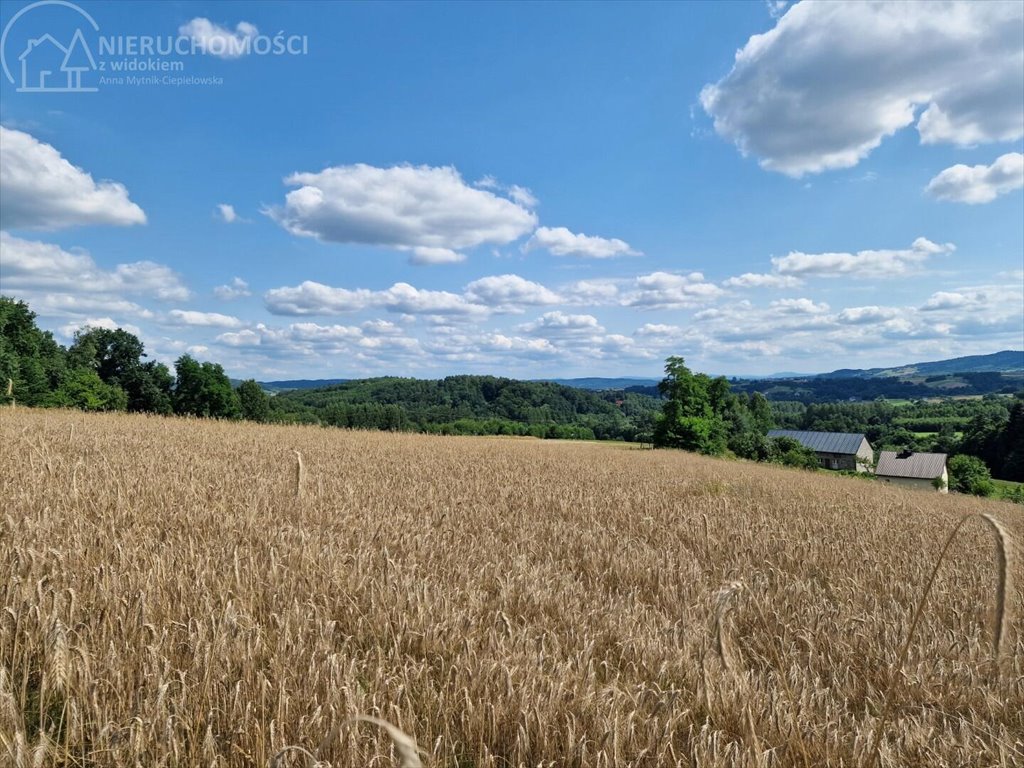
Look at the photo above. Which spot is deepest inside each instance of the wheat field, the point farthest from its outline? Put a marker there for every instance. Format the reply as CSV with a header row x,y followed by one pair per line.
x,y
185,593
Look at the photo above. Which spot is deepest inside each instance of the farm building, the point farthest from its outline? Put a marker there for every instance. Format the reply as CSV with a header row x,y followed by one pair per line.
x,y
836,450
914,470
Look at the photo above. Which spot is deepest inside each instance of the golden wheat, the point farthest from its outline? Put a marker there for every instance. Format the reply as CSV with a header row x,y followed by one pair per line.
x,y
171,593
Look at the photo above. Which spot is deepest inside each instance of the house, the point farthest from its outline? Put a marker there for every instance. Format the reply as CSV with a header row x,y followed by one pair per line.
x,y
914,470
835,450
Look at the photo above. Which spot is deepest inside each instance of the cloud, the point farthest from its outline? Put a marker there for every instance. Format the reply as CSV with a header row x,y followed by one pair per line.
x,y
560,324
246,338
981,310
482,297
561,242
219,41
204,319
592,292
799,307
312,298
30,265
227,213
236,289
68,330
658,330
499,342
831,80
430,212
752,280
42,190
863,315
985,297
862,264
402,297
666,290
523,196
973,184
509,291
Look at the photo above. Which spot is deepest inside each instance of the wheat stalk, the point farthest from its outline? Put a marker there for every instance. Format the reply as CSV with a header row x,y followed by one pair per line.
x,y
1002,564
1004,555
300,474
723,607
405,745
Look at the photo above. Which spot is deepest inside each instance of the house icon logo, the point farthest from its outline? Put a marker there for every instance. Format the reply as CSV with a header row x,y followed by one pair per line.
x,y
45,63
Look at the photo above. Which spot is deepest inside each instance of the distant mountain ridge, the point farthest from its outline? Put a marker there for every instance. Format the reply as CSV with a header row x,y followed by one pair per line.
x,y
598,383
1007,361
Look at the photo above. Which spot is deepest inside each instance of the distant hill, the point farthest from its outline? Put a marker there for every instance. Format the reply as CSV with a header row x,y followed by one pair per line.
x,y
471,405
290,384
1007,361
598,383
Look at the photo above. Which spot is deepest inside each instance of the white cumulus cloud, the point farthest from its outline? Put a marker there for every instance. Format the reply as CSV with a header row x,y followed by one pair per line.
x,y
799,307
862,264
831,80
975,184
753,280
558,324
203,319
29,265
504,291
215,40
666,290
42,190
561,242
863,315
236,289
430,212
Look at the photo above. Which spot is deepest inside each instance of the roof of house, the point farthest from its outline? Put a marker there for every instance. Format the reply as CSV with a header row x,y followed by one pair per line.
x,y
922,466
823,442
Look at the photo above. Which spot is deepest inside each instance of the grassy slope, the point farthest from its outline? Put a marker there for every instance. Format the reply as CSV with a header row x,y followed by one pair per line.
x,y
509,602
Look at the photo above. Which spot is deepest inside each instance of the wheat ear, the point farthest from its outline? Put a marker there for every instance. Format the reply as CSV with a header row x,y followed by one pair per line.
x,y
723,607
1002,552
1004,555
300,474
405,745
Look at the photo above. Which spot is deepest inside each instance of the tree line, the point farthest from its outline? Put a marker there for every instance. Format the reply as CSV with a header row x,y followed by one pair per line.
x,y
106,370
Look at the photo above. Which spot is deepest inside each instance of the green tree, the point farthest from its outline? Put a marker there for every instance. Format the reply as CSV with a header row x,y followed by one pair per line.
x,y
149,388
83,388
31,362
968,474
792,453
253,402
116,355
688,419
203,389
761,413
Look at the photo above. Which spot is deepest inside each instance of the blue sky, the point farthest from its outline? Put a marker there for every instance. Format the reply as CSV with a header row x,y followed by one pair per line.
x,y
523,189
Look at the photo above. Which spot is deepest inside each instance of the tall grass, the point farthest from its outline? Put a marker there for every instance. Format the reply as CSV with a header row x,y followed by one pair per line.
x,y
172,593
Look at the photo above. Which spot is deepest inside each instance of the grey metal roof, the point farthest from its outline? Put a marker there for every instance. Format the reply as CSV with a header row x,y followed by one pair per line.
x,y
922,466
823,442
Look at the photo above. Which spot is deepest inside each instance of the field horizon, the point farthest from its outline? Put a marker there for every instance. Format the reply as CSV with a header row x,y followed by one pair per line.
x,y
186,592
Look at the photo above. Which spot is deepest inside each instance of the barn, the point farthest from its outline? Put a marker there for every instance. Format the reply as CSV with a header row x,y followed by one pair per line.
x,y
914,470
836,450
